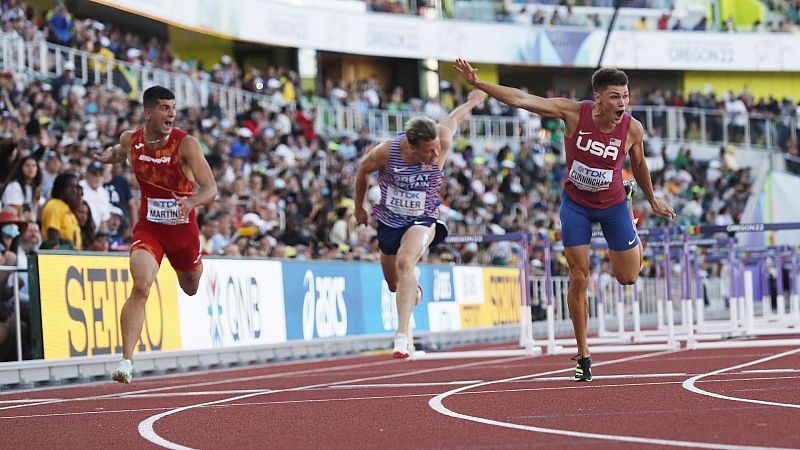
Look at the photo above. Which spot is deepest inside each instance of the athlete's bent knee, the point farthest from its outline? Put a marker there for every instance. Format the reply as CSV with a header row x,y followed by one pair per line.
x,y
628,279
392,286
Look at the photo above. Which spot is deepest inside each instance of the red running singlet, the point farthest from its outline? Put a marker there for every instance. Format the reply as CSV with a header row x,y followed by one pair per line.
x,y
161,229
595,160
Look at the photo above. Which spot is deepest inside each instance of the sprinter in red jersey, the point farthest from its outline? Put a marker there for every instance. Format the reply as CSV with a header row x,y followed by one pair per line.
x,y
599,134
167,164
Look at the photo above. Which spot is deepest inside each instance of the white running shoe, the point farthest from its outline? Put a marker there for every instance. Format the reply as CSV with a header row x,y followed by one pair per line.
x,y
400,346
124,372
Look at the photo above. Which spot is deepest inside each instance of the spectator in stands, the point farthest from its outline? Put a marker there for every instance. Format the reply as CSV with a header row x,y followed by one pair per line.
x,y
209,227
95,195
60,24
50,169
121,196
23,189
86,223
58,221
641,24
63,83
342,228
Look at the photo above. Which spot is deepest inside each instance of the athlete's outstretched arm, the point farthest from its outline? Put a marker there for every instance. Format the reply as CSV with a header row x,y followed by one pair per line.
x,y
448,125
560,108
642,173
117,154
372,162
207,187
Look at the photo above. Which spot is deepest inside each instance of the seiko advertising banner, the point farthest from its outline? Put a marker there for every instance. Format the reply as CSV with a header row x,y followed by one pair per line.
x,y
81,298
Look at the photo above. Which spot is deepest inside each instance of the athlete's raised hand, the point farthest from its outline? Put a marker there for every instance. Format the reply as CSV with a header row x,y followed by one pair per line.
x,y
185,205
467,72
662,208
476,96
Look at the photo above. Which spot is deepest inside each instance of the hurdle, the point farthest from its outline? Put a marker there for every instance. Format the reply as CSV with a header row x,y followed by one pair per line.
x,y
526,345
742,321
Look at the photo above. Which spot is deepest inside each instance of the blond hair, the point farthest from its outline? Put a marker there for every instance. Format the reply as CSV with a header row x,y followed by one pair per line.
x,y
421,129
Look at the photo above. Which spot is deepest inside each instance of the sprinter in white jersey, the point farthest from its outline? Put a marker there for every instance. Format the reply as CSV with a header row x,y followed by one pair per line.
x,y
410,177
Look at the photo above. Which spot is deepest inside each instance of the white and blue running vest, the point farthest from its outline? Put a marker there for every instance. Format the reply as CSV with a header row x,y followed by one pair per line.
x,y
408,191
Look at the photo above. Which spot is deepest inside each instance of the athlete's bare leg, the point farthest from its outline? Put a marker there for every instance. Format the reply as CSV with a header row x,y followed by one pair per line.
x,y
578,261
144,269
190,281
389,266
412,245
627,264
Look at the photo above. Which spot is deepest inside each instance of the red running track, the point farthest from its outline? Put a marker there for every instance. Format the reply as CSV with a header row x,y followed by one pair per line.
x,y
728,399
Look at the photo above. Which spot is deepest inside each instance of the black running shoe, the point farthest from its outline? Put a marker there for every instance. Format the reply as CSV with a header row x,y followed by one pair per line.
x,y
583,370
630,188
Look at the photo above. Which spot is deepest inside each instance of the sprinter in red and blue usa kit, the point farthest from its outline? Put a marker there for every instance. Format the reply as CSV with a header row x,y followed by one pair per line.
x,y
599,134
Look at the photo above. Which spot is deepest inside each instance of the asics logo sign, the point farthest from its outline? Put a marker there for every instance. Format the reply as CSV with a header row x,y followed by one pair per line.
x,y
324,307
597,148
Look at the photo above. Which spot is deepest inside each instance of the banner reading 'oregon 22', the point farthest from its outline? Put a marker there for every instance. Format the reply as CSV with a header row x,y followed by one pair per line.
x,y
82,298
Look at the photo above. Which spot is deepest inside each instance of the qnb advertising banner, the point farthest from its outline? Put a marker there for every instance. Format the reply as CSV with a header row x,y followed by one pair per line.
x,y
82,298
239,302
486,296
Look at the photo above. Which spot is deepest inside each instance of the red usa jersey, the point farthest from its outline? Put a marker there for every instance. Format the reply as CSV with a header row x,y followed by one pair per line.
x,y
595,160
160,174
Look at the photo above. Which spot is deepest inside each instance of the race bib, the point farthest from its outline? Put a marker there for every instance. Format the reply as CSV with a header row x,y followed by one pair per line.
x,y
590,179
165,211
406,203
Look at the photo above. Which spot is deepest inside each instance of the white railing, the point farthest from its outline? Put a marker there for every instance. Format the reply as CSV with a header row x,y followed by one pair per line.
x,y
44,60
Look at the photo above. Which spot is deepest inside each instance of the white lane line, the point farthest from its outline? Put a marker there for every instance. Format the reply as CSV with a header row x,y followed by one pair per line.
x,y
192,393
146,426
690,383
28,400
770,371
211,383
404,385
436,404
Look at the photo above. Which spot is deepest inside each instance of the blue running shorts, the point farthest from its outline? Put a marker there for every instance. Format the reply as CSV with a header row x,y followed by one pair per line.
x,y
389,238
577,220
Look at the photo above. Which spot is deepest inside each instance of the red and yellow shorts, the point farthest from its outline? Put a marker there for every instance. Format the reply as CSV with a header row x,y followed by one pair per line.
x,y
181,243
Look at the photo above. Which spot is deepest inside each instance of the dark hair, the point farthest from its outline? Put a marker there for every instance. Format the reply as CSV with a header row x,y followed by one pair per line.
x,y
60,184
87,229
18,175
153,94
421,129
606,77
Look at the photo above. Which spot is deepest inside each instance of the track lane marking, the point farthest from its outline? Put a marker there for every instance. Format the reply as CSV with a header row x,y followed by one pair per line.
x,y
690,383
437,405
